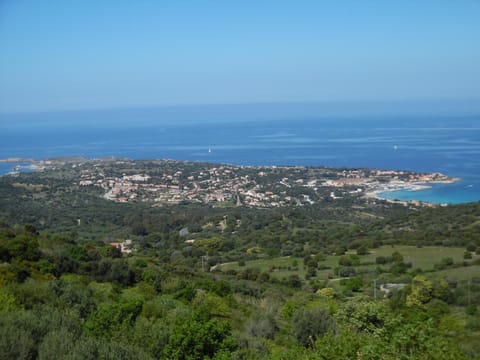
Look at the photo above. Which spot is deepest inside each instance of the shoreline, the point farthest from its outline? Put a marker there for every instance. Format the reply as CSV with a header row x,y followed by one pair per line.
x,y
375,194
373,184
411,187
16,160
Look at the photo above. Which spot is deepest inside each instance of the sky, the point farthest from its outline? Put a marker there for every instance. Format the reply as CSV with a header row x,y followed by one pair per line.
x,y
90,54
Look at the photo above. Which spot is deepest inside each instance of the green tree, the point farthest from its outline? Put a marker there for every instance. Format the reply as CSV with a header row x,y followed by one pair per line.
x,y
24,247
7,302
195,338
421,292
354,283
112,319
396,257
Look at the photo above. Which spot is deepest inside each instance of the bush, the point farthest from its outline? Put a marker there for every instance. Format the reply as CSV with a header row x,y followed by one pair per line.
x,y
471,247
354,284
347,272
444,263
471,309
396,257
310,324
345,261
362,250
294,282
263,326
473,324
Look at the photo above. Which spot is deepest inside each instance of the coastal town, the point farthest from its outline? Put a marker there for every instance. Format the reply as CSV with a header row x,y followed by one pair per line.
x,y
163,182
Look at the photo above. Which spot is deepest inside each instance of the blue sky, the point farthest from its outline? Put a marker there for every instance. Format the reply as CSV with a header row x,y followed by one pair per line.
x,y
83,54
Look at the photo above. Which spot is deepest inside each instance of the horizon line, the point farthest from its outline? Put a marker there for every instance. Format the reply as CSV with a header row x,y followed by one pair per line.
x,y
470,101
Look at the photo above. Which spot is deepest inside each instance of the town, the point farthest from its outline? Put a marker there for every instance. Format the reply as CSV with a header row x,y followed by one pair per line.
x,y
162,182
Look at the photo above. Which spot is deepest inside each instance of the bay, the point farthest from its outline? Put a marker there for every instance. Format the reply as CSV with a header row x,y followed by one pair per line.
x,y
450,145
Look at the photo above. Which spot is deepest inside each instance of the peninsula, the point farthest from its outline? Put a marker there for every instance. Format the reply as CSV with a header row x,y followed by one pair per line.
x,y
163,182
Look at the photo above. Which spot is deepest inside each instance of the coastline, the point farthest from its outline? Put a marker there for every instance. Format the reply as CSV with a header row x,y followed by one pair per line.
x,y
376,194
374,183
16,160
411,187
13,166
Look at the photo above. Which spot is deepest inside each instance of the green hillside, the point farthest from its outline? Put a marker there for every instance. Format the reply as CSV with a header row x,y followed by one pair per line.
x,y
326,281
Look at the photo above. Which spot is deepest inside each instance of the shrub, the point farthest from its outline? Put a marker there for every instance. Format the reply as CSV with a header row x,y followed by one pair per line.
x,y
345,261
263,326
362,250
471,247
396,257
310,324
471,309
444,263
347,272
473,324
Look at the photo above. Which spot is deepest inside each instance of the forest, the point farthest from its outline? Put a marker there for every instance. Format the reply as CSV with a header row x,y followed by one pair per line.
x,y
340,280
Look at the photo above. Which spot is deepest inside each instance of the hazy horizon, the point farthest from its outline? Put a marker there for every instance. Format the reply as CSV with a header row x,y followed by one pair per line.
x,y
64,56
222,113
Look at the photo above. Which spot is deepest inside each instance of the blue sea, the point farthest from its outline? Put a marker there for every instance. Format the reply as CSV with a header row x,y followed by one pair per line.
x,y
447,144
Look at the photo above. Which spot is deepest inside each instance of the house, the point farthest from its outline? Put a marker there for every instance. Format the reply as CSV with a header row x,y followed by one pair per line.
x,y
125,246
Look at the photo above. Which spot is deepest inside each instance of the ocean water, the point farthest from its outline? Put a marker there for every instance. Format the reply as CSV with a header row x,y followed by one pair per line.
x,y
450,145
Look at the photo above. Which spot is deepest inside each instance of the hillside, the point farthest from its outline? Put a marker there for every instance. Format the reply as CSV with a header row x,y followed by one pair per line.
x,y
86,276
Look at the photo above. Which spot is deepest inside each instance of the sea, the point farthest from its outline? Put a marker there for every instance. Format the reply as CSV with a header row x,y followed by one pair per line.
x,y
447,144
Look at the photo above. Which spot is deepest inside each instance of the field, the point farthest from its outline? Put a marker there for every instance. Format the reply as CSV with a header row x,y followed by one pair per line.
x,y
421,258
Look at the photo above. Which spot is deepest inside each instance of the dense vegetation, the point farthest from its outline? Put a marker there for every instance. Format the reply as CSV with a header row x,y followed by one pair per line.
x,y
230,282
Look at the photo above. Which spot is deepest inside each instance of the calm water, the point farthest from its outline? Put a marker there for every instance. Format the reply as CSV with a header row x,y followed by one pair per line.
x,y
448,145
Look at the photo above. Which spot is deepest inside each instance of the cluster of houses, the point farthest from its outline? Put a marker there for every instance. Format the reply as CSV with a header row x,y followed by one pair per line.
x,y
248,186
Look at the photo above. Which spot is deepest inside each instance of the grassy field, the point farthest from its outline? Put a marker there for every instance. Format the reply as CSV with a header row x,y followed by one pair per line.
x,y
423,258
461,273
277,267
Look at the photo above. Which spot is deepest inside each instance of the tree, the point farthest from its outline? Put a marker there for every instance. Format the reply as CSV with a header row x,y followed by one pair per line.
x,y
7,302
294,282
24,247
193,338
354,283
421,293
361,316
112,319
396,257
328,293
